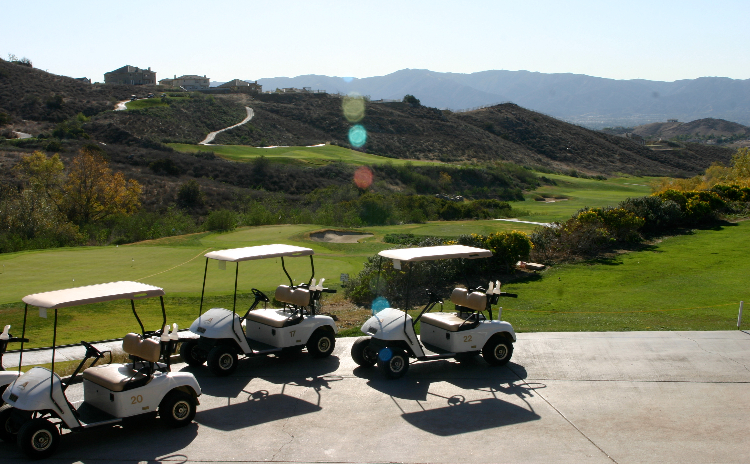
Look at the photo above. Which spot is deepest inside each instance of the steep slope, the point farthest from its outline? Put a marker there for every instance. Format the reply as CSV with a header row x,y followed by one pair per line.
x,y
698,128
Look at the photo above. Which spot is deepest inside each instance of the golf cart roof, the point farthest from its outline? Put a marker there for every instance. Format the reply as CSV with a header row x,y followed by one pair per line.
x,y
436,252
259,252
93,294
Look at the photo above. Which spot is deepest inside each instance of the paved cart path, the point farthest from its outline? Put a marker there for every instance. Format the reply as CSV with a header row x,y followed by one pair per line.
x,y
211,136
632,397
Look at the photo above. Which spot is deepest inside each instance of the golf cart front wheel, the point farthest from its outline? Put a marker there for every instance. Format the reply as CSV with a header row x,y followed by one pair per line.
x,y
38,438
191,354
497,351
393,362
362,354
177,409
321,343
8,429
222,361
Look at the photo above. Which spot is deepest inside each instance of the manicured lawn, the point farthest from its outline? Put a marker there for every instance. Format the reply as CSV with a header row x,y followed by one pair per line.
x,y
311,155
145,103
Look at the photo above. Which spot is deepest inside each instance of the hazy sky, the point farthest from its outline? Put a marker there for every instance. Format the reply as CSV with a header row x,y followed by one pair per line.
x,y
656,39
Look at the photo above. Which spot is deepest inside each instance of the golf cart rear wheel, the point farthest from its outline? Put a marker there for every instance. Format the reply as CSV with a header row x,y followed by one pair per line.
x,y
191,354
38,438
177,409
362,354
2,390
8,429
395,366
222,361
497,351
321,343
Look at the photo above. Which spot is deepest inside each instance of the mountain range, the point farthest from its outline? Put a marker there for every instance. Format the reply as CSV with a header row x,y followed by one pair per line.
x,y
592,102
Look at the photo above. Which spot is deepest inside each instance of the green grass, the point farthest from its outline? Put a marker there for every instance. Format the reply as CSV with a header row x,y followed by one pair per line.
x,y
685,282
579,193
311,155
145,103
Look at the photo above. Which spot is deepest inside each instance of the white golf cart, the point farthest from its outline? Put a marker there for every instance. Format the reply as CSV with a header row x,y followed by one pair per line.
x,y
391,339
38,408
223,334
7,377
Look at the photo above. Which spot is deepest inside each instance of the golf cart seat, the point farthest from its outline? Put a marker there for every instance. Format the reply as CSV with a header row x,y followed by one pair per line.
x,y
473,301
298,297
292,296
122,377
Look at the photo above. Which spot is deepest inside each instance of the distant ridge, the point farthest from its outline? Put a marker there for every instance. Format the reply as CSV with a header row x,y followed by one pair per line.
x,y
593,102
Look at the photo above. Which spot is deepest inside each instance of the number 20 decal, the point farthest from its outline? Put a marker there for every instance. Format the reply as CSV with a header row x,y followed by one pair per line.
x,y
136,399
467,338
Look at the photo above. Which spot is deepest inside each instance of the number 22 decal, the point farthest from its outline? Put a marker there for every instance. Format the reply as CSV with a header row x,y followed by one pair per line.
x,y
467,338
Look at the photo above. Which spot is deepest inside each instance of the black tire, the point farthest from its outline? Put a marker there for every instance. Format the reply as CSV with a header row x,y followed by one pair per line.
x,y
497,351
177,409
395,366
8,431
38,438
362,354
321,343
222,361
2,390
191,354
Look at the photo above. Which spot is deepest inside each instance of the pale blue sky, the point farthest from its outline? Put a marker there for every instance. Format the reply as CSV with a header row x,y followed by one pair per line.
x,y
657,40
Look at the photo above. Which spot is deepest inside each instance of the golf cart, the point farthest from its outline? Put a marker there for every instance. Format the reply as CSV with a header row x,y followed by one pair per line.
x,y
38,408
391,339
224,334
7,377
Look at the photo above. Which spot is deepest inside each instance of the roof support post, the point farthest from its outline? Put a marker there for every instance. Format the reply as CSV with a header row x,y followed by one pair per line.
x,y
203,290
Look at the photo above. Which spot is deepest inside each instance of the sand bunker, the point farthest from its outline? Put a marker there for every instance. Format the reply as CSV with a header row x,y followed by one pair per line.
x,y
337,236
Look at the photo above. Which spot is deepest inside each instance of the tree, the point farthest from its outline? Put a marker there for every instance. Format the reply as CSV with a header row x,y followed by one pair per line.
x,y
93,192
42,174
411,99
190,194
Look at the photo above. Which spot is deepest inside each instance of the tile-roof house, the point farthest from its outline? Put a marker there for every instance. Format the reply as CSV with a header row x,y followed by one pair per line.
x,y
188,82
132,75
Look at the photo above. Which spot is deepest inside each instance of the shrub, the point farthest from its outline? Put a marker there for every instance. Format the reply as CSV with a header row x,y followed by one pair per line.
x,y
190,195
659,215
221,220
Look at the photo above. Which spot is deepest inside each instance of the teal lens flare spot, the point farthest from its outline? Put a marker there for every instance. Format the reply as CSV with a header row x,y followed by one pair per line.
x,y
357,136
385,354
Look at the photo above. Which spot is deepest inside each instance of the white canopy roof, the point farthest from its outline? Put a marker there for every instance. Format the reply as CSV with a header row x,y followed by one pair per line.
x,y
259,252
93,294
436,252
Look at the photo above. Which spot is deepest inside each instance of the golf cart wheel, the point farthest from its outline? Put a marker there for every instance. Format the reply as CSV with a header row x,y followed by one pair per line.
x,y
321,343
8,430
191,354
497,351
222,361
38,438
177,409
393,362
362,354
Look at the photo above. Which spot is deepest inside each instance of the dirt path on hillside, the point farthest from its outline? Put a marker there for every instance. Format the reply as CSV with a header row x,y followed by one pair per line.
x,y
210,137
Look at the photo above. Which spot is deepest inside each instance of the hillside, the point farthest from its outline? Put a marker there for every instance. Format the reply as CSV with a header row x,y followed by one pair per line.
x,y
698,128
504,132
591,101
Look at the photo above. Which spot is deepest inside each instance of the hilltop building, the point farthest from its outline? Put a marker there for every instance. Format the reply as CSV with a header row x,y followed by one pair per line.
x,y
188,82
239,84
132,75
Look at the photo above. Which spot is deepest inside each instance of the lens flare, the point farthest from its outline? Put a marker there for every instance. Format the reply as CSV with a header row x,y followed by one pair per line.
x,y
379,304
357,136
354,108
363,177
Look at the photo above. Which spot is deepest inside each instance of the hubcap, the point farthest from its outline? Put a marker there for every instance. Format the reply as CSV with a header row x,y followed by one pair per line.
x,y
181,410
397,363
226,361
324,344
370,355
501,351
41,440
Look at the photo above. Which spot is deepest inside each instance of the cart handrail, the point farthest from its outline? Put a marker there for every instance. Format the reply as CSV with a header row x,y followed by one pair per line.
x,y
259,252
88,294
435,253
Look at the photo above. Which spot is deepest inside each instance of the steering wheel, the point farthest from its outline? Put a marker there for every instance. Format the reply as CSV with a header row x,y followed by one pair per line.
x,y
91,350
260,295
